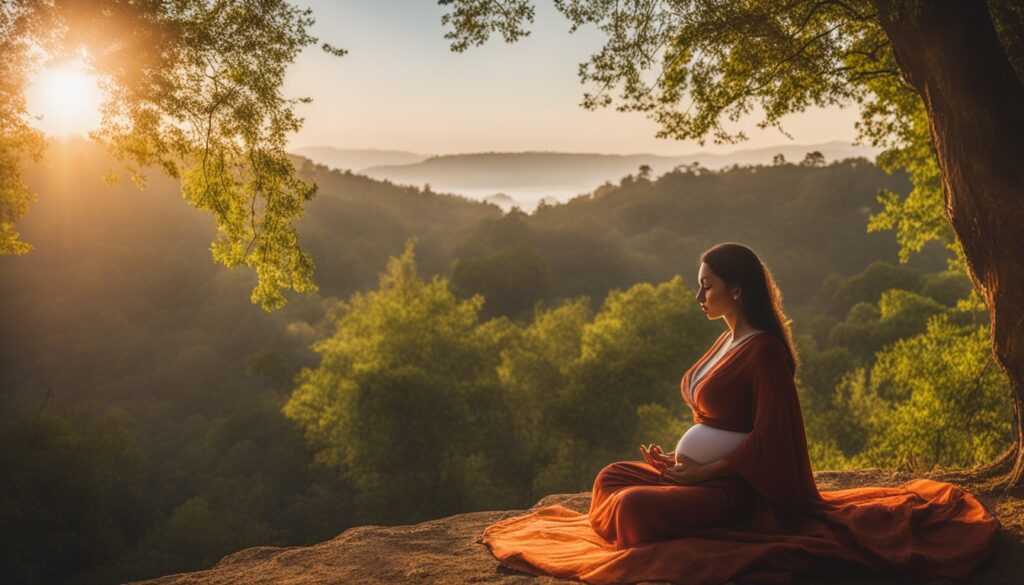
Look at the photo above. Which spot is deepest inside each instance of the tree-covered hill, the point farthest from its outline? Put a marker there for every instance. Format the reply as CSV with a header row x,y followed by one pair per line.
x,y
805,222
118,268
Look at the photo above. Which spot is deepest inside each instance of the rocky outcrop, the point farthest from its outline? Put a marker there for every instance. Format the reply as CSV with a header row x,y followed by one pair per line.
x,y
448,550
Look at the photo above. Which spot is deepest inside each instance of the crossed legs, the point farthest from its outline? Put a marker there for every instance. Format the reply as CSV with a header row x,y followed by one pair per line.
x,y
632,505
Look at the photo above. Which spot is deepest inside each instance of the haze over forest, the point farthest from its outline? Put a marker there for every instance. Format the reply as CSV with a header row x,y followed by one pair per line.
x,y
523,179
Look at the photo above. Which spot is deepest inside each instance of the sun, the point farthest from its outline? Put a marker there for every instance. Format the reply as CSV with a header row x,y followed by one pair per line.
x,y
68,98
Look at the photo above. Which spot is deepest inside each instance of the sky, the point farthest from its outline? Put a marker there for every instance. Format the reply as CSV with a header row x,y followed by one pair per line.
x,y
401,87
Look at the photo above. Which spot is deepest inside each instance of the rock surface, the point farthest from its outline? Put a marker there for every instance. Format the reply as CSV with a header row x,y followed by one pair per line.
x,y
448,550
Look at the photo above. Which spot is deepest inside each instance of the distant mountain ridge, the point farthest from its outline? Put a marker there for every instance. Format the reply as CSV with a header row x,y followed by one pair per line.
x,y
528,177
559,168
356,160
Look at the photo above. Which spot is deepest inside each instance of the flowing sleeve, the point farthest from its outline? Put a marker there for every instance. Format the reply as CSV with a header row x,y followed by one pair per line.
x,y
773,457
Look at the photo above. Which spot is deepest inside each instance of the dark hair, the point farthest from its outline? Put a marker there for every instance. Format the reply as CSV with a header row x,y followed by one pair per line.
x,y
760,297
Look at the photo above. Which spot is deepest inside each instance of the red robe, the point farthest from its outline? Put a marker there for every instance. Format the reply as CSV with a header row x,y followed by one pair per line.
x,y
920,530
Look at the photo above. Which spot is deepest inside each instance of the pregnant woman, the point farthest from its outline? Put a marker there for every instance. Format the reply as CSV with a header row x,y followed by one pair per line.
x,y
737,500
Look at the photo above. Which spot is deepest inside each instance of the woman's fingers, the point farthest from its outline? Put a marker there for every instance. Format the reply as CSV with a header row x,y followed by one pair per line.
x,y
648,457
668,474
661,457
676,474
655,458
684,460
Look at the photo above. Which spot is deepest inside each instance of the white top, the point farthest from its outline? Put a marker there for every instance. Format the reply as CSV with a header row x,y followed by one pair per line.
x,y
705,444
700,442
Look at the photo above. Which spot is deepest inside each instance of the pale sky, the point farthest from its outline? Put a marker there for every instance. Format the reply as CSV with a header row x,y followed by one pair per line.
x,y
400,87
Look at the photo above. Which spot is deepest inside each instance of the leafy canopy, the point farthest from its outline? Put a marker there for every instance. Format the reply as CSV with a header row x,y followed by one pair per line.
x,y
932,399
409,366
191,86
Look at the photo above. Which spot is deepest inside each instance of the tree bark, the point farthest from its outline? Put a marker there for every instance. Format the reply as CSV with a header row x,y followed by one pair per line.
x,y
948,50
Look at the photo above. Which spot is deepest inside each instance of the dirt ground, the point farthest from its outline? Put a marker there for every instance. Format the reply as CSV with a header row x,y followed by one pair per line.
x,y
448,550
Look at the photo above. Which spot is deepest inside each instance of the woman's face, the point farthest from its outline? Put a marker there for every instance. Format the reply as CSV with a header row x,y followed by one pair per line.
x,y
714,297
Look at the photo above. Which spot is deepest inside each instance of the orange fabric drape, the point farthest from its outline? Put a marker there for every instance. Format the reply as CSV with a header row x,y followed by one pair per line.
x,y
769,522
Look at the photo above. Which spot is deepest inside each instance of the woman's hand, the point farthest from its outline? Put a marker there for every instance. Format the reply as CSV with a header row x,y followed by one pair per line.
x,y
655,458
685,472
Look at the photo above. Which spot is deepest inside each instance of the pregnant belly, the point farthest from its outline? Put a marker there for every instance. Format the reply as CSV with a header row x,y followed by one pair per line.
x,y
705,444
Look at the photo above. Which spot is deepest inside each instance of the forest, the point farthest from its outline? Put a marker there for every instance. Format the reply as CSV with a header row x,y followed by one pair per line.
x,y
454,359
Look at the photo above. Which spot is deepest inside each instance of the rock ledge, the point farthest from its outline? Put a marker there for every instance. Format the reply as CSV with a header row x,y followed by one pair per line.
x,y
448,550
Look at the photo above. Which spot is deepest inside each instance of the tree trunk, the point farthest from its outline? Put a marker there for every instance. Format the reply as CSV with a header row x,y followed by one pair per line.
x,y
948,50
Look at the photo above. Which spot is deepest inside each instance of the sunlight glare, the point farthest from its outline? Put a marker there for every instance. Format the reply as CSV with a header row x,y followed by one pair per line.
x,y
68,98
